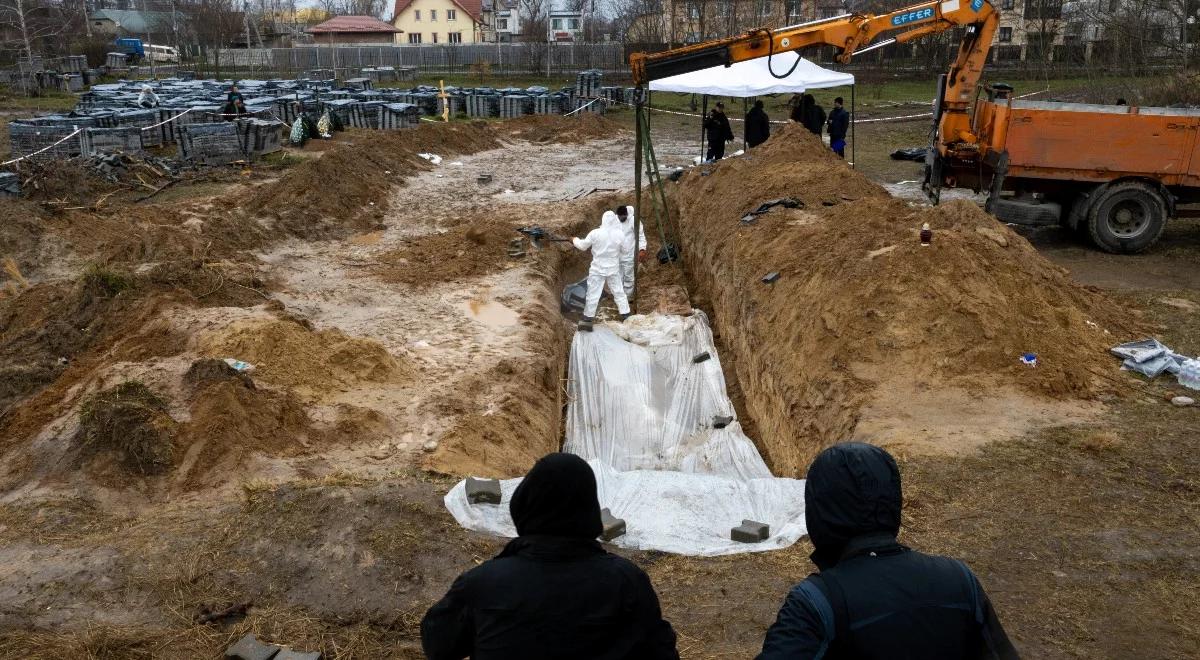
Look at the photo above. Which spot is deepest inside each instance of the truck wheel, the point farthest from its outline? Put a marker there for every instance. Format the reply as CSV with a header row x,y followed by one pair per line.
x,y
1127,218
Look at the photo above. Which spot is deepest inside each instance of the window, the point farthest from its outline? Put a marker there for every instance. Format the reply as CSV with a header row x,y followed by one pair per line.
x,y
724,7
1006,4
793,8
432,15
693,10
556,24
454,37
414,37
1043,9
451,15
572,23
1005,35
416,14
502,24
433,40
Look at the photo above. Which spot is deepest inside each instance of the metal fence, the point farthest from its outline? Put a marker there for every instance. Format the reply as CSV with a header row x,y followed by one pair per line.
x,y
505,59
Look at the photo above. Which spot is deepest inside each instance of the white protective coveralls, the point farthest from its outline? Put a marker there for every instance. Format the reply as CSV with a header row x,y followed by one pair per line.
x,y
605,243
628,251
147,98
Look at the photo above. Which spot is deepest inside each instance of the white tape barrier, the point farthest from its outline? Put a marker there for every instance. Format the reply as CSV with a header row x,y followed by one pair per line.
x,y
169,120
16,160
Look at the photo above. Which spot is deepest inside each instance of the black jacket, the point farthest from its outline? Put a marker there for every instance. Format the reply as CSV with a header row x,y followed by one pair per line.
x,y
553,592
839,123
814,118
719,130
758,127
875,598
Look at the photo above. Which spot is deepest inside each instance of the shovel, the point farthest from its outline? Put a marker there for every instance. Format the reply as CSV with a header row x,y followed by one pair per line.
x,y
537,235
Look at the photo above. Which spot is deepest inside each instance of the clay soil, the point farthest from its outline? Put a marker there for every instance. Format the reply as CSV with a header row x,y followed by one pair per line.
x,y
396,347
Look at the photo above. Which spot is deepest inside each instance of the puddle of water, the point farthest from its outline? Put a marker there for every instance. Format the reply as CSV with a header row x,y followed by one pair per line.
x,y
491,313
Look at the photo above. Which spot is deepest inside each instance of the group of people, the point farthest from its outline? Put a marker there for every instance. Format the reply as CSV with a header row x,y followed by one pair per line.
x,y
554,592
614,252
805,110
235,103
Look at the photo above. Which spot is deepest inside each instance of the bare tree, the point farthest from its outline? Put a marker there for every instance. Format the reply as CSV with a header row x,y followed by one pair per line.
x,y
36,26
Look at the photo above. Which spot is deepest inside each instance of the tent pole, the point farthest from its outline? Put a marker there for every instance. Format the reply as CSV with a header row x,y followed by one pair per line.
x,y
639,141
744,111
853,142
703,118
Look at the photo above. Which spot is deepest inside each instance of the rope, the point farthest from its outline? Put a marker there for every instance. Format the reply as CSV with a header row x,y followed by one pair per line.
x,y
169,120
589,103
10,162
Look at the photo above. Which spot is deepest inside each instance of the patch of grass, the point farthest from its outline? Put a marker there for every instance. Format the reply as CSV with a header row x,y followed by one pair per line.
x,y
131,421
44,101
104,282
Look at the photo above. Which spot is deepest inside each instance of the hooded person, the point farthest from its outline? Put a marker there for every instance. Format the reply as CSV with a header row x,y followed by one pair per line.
x,y
875,598
605,243
553,592
758,125
147,98
631,250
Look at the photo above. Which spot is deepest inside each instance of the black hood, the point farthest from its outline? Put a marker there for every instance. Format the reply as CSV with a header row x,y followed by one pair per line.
x,y
852,490
557,498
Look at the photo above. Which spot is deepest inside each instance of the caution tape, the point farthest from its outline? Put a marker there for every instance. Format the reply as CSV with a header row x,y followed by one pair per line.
x,y
73,134
583,107
169,120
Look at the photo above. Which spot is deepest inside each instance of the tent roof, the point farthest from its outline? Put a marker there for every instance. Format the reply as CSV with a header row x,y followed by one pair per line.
x,y
752,78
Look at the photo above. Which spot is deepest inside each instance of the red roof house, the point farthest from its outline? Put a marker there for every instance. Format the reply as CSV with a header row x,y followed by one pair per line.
x,y
354,30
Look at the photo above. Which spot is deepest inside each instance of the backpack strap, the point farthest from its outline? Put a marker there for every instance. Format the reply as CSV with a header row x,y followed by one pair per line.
x,y
816,597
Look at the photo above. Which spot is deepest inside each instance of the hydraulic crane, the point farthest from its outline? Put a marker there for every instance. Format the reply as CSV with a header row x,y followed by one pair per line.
x,y
953,148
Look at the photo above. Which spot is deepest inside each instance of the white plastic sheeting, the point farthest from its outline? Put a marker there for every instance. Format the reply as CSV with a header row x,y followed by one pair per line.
x,y
752,78
641,412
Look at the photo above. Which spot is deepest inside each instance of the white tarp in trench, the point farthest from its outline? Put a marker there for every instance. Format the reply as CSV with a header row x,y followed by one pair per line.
x,y
752,78
641,413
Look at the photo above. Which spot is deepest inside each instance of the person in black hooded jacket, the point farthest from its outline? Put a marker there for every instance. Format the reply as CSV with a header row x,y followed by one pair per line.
x,y
873,597
758,125
553,592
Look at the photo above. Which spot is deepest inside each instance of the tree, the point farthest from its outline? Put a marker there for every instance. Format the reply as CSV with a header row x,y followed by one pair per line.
x,y
35,27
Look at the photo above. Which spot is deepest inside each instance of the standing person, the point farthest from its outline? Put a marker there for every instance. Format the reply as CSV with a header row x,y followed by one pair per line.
x,y
839,123
605,243
796,103
813,115
874,598
553,592
758,125
719,132
630,250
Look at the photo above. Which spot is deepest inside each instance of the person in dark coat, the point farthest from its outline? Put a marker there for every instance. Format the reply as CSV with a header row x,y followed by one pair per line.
x,y
553,592
812,115
719,132
873,597
758,125
839,124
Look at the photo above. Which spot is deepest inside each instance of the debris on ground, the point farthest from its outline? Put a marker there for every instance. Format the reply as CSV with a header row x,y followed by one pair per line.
x,y
132,423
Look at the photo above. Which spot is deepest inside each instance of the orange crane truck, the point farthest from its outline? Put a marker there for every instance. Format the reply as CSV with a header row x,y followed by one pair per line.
x,y
1115,171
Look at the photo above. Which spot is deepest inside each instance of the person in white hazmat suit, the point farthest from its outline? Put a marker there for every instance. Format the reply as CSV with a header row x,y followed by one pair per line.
x,y
630,255
605,243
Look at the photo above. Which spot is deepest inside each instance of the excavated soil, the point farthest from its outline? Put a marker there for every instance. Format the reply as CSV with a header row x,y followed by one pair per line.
x,y
863,313
475,248
578,129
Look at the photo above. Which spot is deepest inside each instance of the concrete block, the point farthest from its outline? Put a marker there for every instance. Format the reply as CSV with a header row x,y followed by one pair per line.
x,y
249,648
701,358
483,491
770,278
750,532
613,526
289,654
585,326
721,421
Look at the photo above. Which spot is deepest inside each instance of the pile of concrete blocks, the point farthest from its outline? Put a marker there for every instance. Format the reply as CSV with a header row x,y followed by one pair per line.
x,y
126,139
116,60
399,115
587,83
515,105
260,136
360,84
141,119
594,106
211,144
482,105
365,115
33,135
552,104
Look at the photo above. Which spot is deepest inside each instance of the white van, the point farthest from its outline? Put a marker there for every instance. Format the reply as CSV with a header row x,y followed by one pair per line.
x,y
156,53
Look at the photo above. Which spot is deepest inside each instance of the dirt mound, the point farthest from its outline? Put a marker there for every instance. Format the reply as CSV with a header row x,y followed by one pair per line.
x,y
470,250
130,423
206,371
313,363
578,128
860,303
347,187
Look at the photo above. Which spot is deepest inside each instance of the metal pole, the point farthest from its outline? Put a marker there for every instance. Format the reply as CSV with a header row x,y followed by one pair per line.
x,y
745,110
853,142
639,110
703,117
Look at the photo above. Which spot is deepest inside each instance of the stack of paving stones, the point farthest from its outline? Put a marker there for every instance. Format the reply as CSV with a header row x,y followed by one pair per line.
x,y
211,144
357,104
10,184
127,139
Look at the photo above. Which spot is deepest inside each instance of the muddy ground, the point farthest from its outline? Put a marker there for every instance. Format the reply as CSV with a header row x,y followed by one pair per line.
x,y
402,349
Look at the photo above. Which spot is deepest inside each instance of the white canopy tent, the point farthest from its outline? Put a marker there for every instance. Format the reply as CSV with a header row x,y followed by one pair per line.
x,y
753,78
757,77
